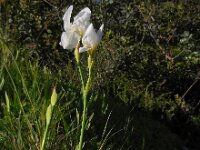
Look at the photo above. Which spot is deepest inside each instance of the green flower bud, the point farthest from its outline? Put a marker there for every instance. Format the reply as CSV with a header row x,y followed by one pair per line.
x,y
54,98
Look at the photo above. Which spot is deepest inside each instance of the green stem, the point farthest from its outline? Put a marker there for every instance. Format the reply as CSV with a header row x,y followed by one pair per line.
x,y
83,120
81,76
44,137
84,115
46,131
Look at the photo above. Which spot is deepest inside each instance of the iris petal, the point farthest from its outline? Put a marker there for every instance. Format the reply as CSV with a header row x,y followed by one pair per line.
x,y
83,49
73,31
82,20
69,39
100,33
90,38
66,18
82,12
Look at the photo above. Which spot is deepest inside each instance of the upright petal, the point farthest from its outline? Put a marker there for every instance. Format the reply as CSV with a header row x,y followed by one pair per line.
x,y
100,33
66,18
82,20
90,38
82,12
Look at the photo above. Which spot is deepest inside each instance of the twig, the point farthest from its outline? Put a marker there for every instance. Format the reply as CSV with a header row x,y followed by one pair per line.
x,y
50,4
167,55
189,88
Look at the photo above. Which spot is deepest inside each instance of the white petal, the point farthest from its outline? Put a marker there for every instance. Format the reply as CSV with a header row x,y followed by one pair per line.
x,y
66,18
90,38
82,12
69,39
82,19
83,49
100,33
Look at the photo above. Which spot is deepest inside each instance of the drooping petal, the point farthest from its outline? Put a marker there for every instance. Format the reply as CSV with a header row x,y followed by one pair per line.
x,y
69,39
100,33
83,49
66,18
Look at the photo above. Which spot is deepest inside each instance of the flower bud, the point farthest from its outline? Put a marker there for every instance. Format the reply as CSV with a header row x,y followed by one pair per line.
x,y
53,98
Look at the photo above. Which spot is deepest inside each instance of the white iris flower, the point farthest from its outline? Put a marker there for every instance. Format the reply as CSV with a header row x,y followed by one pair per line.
x,y
91,39
74,31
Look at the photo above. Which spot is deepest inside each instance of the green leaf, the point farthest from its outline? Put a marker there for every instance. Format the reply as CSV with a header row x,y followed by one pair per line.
x,y
7,102
48,114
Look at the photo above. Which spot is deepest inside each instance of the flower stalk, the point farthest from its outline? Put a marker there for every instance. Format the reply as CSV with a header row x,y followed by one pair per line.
x,y
77,57
49,114
81,30
86,89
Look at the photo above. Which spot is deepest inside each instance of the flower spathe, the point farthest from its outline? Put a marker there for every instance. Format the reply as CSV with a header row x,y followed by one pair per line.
x,y
74,31
91,39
